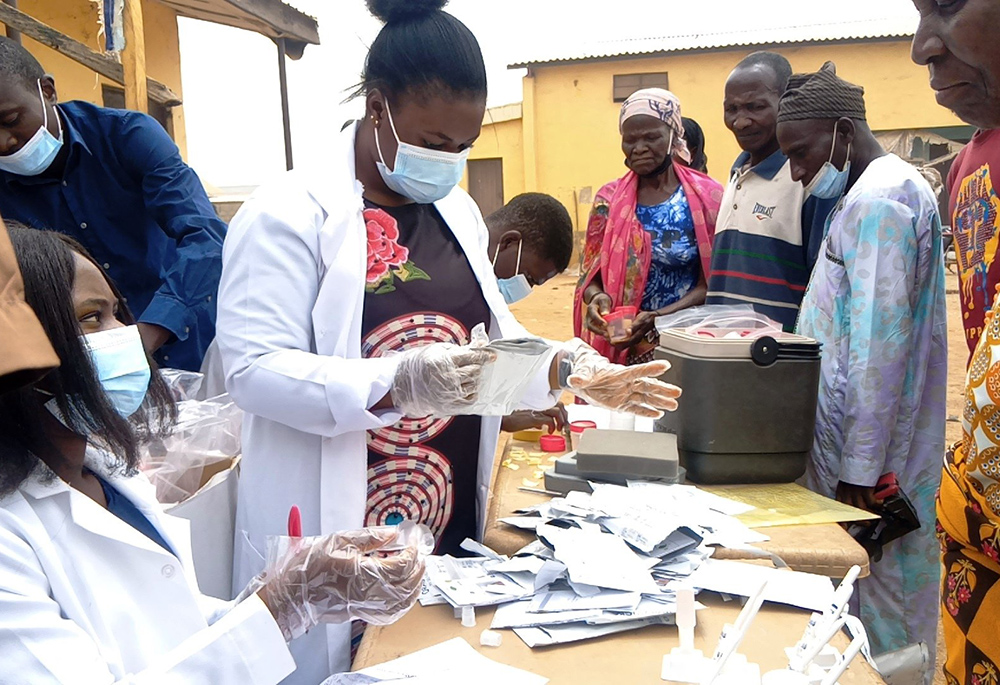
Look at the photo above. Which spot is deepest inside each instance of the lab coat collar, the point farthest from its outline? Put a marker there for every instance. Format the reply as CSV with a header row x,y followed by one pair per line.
x,y
42,484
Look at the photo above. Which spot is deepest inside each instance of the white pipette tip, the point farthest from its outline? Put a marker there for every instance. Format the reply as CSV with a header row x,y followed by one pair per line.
x,y
685,664
468,617
686,617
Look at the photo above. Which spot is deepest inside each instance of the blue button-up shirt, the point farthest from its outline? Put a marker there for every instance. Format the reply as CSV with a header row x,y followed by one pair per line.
x,y
127,196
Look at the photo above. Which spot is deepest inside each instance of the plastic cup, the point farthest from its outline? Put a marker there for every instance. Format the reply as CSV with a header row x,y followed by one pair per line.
x,y
576,429
620,322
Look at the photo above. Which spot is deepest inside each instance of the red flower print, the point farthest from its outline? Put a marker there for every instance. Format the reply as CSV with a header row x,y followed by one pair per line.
x,y
990,550
952,582
384,250
964,595
952,606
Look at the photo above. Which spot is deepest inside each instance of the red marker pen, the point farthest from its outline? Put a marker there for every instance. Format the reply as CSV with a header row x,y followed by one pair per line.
x,y
294,522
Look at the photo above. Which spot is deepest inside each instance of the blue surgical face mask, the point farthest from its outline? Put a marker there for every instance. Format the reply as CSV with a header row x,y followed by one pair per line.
x,y
120,362
37,154
516,287
419,173
830,182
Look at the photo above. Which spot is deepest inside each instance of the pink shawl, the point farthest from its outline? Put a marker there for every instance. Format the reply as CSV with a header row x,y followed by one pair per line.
x,y
618,248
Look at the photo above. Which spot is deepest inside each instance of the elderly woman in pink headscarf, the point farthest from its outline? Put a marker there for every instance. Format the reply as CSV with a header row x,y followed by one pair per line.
x,y
649,237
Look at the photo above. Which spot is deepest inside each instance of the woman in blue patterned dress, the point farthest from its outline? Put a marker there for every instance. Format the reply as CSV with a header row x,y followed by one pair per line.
x,y
649,238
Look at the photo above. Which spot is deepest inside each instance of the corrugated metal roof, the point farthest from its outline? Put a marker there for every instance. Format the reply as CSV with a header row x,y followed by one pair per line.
x,y
901,25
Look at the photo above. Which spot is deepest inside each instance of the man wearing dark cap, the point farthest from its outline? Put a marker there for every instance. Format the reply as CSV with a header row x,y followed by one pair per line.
x,y
876,303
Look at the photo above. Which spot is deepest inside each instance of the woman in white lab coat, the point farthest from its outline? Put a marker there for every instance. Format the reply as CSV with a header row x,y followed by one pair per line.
x,y
96,582
330,274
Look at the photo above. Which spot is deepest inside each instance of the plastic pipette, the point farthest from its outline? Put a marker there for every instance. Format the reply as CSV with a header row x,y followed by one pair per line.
x,y
733,635
849,654
800,660
838,605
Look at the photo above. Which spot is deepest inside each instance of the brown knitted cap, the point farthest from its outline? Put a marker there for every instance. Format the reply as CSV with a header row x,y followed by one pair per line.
x,y
822,95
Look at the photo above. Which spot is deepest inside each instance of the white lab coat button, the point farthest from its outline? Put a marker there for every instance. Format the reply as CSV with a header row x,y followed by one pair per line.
x,y
168,571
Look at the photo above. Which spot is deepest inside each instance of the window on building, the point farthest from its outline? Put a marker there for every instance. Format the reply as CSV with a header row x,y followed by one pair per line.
x,y
626,84
115,98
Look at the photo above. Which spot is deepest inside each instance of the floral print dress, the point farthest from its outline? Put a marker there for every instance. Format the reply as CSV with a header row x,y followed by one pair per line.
x,y
876,303
420,290
674,268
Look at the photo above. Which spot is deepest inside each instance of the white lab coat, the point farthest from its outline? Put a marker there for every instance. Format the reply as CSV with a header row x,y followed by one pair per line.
x,y
289,332
85,598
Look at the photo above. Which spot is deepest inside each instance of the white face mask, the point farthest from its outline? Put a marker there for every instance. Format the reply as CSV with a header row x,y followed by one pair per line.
x,y
39,152
515,288
419,173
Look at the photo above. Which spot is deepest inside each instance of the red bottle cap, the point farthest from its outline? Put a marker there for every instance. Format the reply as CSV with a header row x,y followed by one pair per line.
x,y
580,426
552,443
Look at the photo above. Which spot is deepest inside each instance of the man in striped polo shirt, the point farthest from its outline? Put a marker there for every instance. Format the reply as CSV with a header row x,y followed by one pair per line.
x,y
768,232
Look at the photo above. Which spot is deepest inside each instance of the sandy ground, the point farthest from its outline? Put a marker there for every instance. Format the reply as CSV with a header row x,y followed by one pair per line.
x,y
547,312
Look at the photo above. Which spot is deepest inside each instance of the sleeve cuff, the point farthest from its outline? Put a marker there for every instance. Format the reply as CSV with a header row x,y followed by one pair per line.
x,y
539,393
25,351
356,411
172,314
259,640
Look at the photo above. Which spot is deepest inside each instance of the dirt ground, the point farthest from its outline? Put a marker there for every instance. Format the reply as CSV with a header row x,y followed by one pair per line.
x,y
547,312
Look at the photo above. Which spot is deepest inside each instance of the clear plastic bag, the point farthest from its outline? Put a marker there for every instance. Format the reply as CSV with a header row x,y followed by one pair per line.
x,y
505,380
721,320
374,575
206,436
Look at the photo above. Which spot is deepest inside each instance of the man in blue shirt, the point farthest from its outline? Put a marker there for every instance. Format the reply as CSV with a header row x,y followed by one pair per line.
x,y
769,230
114,180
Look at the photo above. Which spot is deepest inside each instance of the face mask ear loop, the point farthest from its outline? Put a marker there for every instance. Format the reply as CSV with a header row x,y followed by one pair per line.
x,y
496,254
520,244
45,110
833,143
378,145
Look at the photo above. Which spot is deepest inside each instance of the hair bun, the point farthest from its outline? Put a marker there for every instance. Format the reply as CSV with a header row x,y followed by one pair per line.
x,y
394,11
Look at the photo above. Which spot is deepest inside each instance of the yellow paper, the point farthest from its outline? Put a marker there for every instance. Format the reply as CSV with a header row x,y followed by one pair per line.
x,y
528,483
787,504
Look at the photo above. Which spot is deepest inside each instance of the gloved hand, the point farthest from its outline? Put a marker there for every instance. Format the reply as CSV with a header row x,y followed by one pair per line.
x,y
632,389
331,579
439,379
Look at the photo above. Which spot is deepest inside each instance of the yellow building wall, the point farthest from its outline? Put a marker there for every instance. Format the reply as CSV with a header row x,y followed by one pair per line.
x,y
79,20
575,122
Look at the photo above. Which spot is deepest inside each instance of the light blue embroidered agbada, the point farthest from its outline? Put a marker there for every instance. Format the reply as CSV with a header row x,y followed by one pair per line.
x,y
876,301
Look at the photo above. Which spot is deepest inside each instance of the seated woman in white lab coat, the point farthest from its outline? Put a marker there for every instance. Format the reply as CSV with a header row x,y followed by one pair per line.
x,y
96,582
346,295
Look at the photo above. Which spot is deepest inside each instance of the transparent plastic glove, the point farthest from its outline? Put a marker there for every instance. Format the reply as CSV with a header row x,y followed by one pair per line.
x,y
440,379
335,578
632,389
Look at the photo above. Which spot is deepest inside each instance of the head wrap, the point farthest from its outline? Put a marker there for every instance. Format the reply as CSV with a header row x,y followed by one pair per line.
x,y
822,95
663,105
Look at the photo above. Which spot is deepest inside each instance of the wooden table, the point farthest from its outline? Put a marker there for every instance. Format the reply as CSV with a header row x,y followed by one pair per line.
x,y
632,658
824,549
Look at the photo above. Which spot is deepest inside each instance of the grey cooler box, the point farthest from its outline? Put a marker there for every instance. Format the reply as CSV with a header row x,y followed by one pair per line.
x,y
748,408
